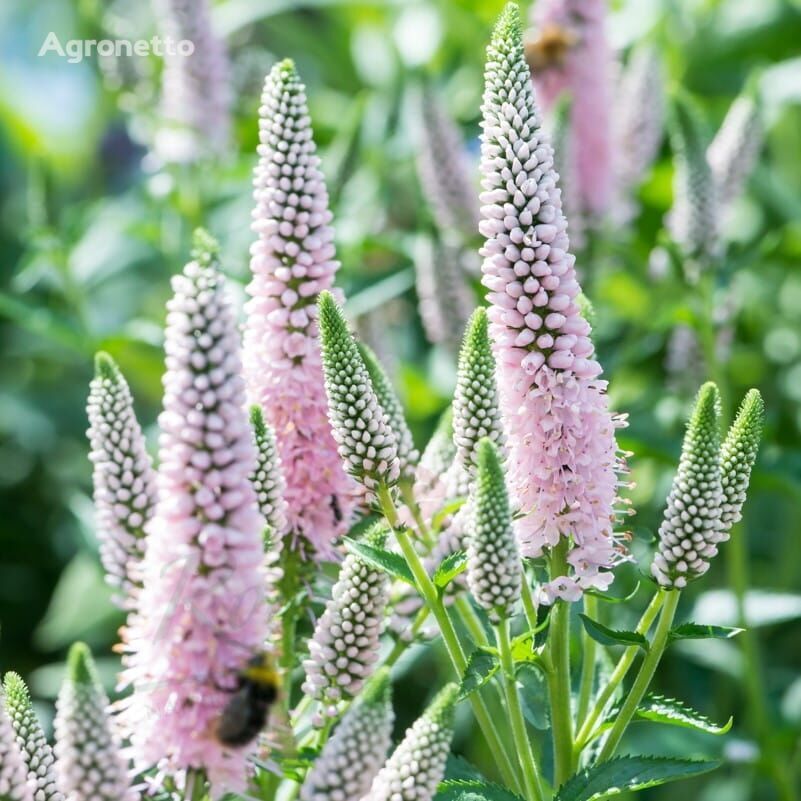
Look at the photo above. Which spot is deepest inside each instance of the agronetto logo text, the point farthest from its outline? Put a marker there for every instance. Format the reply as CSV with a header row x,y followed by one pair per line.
x,y
76,50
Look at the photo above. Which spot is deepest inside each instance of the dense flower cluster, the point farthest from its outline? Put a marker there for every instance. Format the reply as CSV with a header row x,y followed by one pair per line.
x,y
89,764
693,219
639,121
417,765
292,261
33,745
123,477
268,478
14,782
408,455
737,456
691,528
563,460
494,570
201,612
357,749
445,299
443,169
475,401
361,428
735,148
196,94
570,55
345,644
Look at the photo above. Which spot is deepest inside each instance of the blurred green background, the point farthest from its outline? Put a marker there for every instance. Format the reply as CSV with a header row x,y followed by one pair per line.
x,y
90,234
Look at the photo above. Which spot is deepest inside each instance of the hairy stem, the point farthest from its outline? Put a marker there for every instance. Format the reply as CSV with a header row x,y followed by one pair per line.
x,y
559,676
618,674
531,775
644,676
588,654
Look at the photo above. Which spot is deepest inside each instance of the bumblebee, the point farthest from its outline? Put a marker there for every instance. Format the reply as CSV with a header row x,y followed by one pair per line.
x,y
549,47
247,711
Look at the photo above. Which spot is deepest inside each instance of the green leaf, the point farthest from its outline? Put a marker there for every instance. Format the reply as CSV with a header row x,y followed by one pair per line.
x,y
629,773
449,568
389,562
607,636
696,631
658,709
481,667
534,695
614,599
473,790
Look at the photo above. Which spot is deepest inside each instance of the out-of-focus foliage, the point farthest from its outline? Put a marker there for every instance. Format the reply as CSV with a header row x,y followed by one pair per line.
x,y
90,232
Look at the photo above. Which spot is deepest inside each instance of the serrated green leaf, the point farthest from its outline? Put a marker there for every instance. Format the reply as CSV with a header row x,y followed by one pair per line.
x,y
658,709
449,568
389,562
607,636
471,789
481,667
629,773
697,631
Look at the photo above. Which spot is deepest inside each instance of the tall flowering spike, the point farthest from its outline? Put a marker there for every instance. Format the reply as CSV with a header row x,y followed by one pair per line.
x,y
735,148
640,116
345,644
292,261
196,95
15,784
357,749
408,455
89,766
31,740
366,442
691,527
693,220
417,765
494,569
443,169
475,402
123,477
268,477
202,607
444,297
569,54
737,456
563,459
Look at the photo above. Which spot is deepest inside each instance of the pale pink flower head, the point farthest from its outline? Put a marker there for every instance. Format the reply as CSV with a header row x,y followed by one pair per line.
x,y
201,612
569,53
196,92
563,459
292,261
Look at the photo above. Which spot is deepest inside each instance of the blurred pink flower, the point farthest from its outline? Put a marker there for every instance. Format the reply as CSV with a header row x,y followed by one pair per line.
x,y
292,261
570,55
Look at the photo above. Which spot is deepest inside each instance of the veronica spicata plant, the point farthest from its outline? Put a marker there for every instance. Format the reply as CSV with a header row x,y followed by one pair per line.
x,y
288,517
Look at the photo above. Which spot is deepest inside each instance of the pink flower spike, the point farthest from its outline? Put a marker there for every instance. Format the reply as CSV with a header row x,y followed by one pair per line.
x,y
570,54
201,613
563,458
292,261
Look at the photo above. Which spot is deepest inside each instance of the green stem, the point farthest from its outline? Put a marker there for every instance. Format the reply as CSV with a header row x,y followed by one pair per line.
x,y
454,648
644,676
528,605
531,776
618,674
401,645
589,649
559,676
